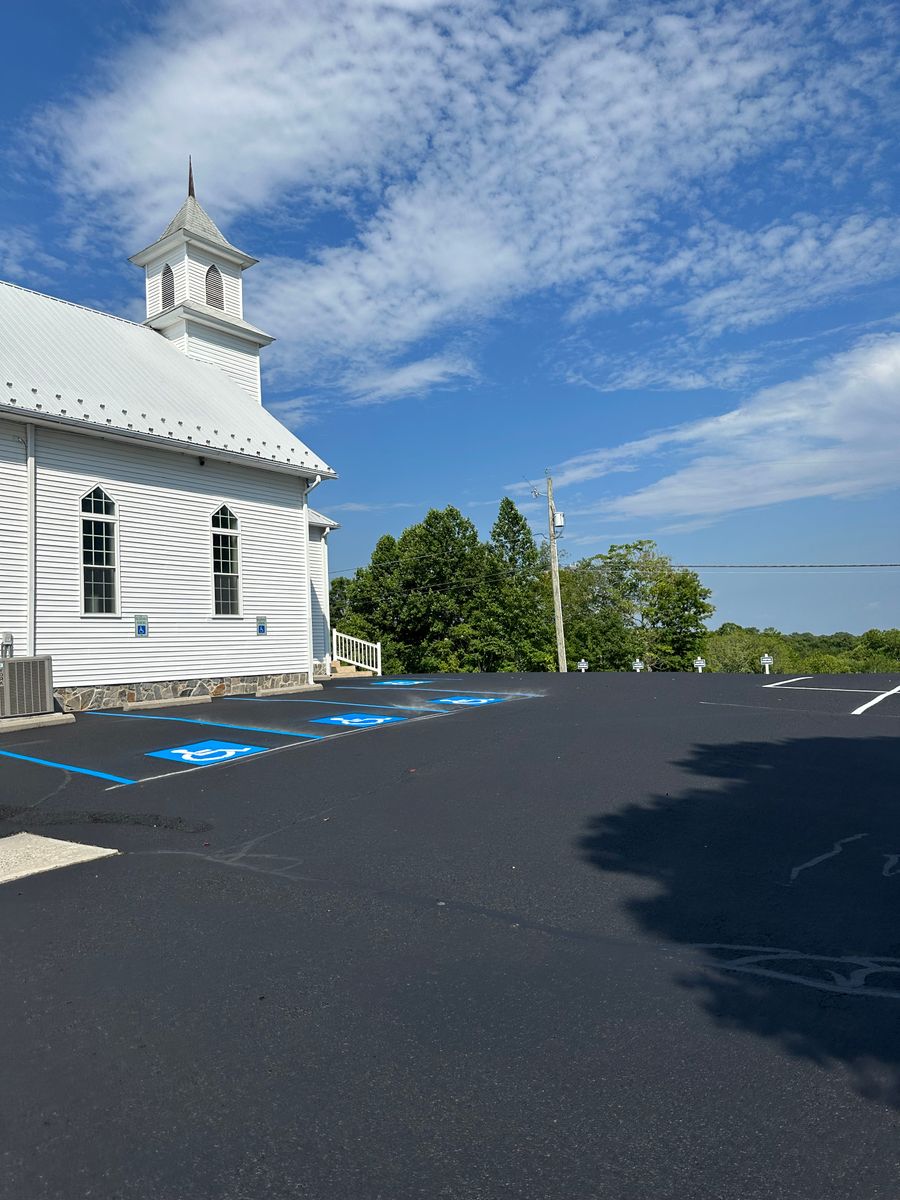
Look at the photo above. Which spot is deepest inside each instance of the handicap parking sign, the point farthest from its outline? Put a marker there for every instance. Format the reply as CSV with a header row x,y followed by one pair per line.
x,y
356,720
206,754
397,683
470,701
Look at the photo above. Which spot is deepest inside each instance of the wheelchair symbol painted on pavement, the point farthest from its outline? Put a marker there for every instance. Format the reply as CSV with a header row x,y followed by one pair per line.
x,y
397,683
356,720
207,754
470,701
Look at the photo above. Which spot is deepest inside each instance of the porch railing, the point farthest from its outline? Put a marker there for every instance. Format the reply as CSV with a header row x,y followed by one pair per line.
x,y
365,655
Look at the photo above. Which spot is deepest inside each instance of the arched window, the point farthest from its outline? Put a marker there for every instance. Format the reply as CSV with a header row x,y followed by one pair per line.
x,y
168,287
226,579
215,295
98,554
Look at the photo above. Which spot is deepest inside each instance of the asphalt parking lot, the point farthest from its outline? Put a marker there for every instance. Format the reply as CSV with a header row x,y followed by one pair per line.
x,y
472,937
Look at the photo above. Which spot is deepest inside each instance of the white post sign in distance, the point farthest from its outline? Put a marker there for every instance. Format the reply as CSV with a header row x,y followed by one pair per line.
x,y
637,665
699,663
766,661
582,665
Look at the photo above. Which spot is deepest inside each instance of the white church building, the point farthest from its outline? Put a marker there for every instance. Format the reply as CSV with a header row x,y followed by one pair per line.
x,y
158,539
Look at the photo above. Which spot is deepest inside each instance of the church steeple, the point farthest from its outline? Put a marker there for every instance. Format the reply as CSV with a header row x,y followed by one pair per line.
x,y
194,282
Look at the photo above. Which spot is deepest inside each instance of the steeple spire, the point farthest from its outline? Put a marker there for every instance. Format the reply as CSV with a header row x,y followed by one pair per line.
x,y
191,178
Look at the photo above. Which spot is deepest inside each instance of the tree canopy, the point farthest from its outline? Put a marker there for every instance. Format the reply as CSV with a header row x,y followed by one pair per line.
x,y
439,599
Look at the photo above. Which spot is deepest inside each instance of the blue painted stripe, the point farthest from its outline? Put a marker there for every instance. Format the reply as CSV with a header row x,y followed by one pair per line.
x,y
45,762
364,687
217,724
343,704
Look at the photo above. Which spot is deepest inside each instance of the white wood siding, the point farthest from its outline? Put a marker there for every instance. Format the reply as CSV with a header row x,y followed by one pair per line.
x,y
176,335
164,504
14,564
236,358
319,592
197,266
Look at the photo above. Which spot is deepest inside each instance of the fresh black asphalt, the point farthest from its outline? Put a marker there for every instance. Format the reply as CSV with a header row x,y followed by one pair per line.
x,y
618,936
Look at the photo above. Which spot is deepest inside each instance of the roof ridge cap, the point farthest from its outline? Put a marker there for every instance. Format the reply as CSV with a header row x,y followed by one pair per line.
x,y
18,287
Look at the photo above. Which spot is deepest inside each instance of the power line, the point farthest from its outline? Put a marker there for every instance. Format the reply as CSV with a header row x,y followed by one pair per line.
x,y
785,566
870,566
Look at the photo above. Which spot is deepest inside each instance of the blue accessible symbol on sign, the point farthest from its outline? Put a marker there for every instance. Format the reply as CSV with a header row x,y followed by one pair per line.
x,y
397,683
206,754
471,701
356,720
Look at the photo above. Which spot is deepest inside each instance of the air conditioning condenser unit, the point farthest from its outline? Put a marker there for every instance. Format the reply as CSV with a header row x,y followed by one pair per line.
x,y
26,686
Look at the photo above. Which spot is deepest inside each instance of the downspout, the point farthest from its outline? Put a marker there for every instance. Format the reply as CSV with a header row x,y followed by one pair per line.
x,y
327,601
31,560
309,625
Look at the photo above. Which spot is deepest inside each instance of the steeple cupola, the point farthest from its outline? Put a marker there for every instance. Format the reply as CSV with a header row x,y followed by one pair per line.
x,y
194,284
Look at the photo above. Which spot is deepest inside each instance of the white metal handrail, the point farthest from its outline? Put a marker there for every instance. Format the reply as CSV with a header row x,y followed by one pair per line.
x,y
366,655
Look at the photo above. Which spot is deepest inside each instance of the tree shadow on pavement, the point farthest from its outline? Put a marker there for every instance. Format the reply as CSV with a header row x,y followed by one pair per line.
x,y
782,869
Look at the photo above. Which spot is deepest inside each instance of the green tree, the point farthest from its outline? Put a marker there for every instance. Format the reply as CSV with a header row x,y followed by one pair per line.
x,y
513,623
642,605
632,602
418,595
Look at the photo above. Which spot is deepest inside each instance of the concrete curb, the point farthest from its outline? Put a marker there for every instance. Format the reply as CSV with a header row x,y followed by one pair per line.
x,y
286,691
10,723
167,703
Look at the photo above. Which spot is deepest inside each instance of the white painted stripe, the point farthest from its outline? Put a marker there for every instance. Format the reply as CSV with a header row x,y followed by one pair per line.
x,y
785,682
343,704
328,737
868,704
457,691
26,854
865,691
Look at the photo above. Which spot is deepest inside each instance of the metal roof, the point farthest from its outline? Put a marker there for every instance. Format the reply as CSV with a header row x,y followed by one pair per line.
x,y
318,519
66,364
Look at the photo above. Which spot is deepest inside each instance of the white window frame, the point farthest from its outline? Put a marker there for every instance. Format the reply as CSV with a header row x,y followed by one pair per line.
x,y
114,521
236,534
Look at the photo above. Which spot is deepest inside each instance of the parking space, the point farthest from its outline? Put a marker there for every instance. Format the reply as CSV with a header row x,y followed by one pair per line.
x,y
856,694
856,697
662,905
120,749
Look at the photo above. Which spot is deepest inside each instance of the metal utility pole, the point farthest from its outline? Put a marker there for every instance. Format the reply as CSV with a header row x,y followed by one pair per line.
x,y
556,521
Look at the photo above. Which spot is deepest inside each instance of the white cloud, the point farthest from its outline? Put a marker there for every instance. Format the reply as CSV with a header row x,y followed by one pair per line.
x,y
484,153
784,266
677,364
22,259
297,412
410,379
357,506
834,433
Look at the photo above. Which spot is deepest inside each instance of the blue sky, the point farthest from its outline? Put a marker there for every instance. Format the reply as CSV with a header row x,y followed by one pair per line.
x,y
654,248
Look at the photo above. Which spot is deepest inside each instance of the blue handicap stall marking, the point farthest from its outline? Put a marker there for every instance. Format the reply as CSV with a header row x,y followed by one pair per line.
x,y
356,720
397,683
469,701
206,754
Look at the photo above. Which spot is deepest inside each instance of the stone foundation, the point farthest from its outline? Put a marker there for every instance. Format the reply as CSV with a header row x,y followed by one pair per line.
x,y
117,695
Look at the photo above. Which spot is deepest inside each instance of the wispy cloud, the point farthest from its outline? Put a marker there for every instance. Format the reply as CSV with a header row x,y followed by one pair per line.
x,y
833,433
297,412
677,364
492,152
410,379
359,506
22,258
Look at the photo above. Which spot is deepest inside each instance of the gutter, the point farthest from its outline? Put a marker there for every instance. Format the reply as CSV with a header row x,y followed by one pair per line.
x,y
194,449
